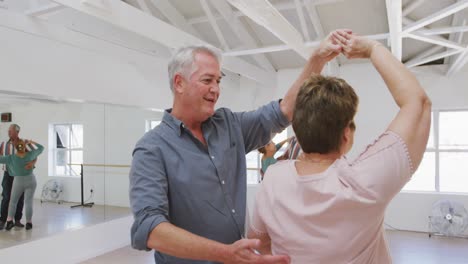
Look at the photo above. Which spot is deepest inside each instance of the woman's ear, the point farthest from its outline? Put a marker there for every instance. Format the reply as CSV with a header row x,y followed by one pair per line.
x,y
346,135
347,139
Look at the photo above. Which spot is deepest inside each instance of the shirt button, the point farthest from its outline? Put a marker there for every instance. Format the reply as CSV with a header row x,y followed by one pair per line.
x,y
212,157
233,211
222,182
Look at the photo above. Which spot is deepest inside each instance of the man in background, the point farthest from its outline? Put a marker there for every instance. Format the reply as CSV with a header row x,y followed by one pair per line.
x,y
8,148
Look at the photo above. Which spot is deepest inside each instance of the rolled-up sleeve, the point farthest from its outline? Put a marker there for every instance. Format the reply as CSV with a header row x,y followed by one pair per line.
x,y
148,194
259,126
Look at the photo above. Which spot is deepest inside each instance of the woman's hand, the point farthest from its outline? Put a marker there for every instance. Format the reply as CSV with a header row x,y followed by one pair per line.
x,y
354,46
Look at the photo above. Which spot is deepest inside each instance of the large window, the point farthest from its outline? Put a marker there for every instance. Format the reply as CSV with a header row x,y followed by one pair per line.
x,y
444,167
254,159
67,149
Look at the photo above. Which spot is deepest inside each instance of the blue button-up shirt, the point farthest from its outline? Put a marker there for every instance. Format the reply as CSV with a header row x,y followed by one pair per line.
x,y
200,188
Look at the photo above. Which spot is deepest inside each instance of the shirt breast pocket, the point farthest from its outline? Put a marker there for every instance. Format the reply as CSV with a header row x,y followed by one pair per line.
x,y
229,165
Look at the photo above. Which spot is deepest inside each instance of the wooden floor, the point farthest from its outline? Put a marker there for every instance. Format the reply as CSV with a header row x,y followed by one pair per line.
x,y
405,248
415,248
53,218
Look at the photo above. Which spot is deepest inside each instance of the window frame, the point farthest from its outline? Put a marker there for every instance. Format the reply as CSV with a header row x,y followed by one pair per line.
x,y
54,150
437,151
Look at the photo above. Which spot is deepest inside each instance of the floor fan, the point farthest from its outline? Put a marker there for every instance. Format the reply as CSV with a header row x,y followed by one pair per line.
x,y
52,192
448,218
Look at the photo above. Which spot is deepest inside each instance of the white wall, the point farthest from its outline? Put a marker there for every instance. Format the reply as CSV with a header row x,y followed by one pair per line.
x,y
407,211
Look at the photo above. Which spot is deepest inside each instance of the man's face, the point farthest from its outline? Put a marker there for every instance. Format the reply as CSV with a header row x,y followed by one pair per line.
x,y
201,91
12,133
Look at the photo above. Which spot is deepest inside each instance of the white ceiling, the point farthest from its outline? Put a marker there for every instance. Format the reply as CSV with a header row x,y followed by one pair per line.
x,y
274,45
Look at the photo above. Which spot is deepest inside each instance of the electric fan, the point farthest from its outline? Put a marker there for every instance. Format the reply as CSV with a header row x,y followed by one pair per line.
x,y
448,218
51,191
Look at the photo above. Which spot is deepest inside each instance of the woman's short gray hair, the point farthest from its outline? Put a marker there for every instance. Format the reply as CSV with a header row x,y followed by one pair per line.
x,y
182,61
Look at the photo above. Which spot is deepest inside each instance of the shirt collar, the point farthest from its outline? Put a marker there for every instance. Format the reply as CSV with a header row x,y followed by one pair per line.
x,y
173,122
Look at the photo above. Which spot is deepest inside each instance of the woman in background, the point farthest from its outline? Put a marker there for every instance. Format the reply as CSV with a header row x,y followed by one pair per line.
x,y
269,151
25,181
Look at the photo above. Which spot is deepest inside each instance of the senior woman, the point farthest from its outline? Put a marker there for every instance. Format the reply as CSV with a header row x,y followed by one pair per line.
x,y
323,208
25,180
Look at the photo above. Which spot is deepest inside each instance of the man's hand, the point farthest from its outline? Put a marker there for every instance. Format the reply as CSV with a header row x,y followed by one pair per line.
x,y
330,47
354,46
243,251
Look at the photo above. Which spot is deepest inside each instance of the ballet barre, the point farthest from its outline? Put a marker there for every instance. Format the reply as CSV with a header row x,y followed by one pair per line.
x,y
83,204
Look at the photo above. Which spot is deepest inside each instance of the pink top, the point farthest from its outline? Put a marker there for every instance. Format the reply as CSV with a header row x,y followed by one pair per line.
x,y
335,216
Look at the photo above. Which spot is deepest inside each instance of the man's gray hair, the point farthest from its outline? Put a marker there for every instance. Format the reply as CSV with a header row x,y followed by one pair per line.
x,y
16,127
182,61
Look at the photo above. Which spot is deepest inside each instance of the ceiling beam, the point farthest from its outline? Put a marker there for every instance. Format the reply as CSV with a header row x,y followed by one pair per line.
x,y
214,25
42,10
412,6
126,17
311,7
326,2
314,17
457,37
275,48
441,42
144,7
265,14
395,24
174,16
461,60
241,31
456,21
444,30
260,50
61,35
433,58
302,21
426,53
408,21
280,7
437,16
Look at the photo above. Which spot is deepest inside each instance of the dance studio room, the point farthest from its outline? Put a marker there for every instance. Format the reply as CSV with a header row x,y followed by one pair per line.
x,y
234,131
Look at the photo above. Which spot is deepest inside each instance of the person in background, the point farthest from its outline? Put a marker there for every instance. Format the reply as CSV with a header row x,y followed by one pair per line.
x,y
293,151
8,148
322,208
25,181
269,151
